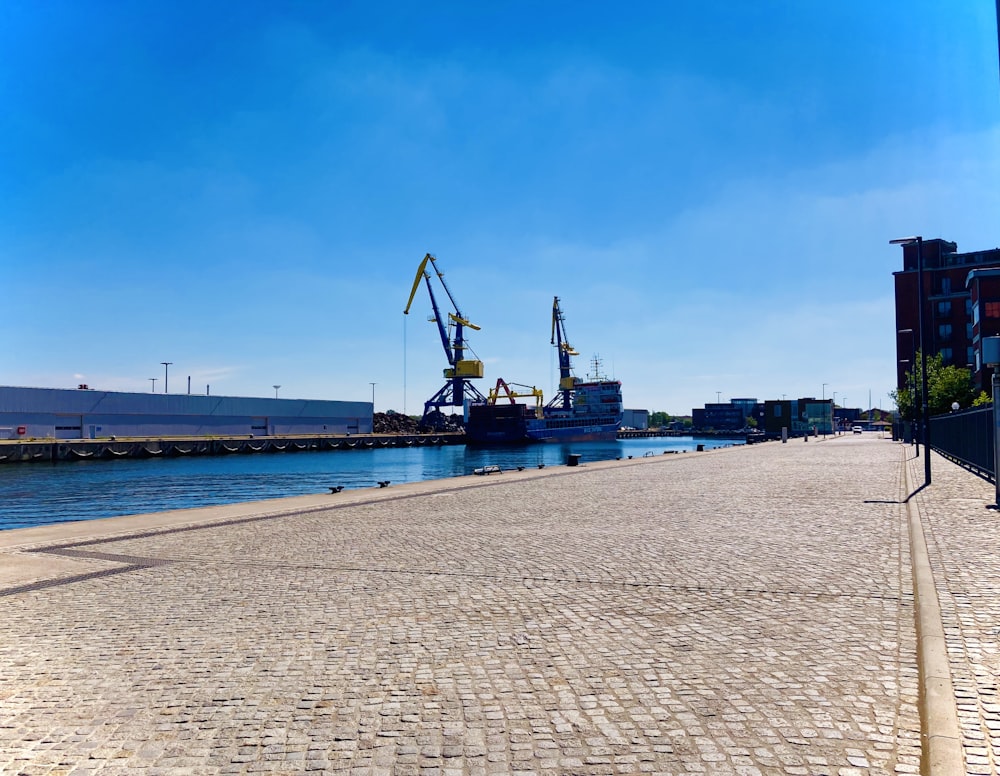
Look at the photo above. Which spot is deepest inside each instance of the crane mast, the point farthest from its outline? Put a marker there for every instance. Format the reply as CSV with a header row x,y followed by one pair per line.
x,y
460,370
564,397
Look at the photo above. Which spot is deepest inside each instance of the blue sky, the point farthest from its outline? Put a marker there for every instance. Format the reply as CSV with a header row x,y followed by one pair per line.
x,y
246,190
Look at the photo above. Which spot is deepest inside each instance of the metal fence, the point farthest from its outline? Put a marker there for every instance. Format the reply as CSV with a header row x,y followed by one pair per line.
x,y
966,437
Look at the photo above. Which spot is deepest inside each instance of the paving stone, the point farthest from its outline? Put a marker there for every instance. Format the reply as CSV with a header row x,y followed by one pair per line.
x,y
744,611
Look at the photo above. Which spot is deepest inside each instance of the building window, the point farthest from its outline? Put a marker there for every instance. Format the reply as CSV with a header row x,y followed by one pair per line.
x,y
968,306
945,285
944,331
968,331
944,308
946,356
969,351
992,309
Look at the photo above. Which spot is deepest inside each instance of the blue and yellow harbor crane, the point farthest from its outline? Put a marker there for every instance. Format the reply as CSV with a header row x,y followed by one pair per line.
x,y
460,369
567,382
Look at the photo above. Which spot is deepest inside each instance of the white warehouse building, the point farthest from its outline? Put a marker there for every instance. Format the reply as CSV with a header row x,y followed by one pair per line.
x,y
58,413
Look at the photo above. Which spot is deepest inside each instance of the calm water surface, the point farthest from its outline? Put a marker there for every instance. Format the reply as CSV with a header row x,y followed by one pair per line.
x,y
39,494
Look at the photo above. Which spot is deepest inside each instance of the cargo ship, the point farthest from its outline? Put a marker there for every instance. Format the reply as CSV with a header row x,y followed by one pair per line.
x,y
583,410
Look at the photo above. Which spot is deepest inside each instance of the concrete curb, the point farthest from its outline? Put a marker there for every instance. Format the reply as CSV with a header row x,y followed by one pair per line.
x,y
942,742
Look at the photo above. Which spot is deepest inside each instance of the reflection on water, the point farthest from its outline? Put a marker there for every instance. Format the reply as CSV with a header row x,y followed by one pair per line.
x,y
39,494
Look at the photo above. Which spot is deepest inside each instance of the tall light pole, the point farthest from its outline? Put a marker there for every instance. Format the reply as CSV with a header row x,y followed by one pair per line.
x,y
925,421
153,381
718,397
166,366
912,361
276,387
831,414
373,396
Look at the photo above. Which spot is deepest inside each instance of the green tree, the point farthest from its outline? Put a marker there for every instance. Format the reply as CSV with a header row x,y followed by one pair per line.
x,y
658,419
906,398
945,385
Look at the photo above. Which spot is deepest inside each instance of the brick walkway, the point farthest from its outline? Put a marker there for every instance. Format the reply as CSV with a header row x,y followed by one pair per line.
x,y
742,611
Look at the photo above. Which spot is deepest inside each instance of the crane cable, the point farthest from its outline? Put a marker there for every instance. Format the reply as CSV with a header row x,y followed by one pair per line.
x,y
404,363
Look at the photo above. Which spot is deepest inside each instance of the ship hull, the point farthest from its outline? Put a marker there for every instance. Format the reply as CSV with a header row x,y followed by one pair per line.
x,y
595,416
540,435
585,434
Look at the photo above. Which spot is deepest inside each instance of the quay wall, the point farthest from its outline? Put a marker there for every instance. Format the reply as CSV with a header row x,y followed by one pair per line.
x,y
54,450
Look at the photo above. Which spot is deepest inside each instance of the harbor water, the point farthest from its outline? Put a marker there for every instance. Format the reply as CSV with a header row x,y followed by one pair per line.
x,y
40,494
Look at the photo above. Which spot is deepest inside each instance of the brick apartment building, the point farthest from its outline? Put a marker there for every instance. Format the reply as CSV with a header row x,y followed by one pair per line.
x,y
961,306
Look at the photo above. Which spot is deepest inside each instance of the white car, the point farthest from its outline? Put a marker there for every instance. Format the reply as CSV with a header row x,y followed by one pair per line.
x,y
857,429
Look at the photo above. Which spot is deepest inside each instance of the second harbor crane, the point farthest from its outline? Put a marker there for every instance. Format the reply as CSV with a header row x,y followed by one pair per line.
x,y
567,382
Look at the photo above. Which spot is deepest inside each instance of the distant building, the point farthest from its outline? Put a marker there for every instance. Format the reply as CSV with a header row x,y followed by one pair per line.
x,y
984,296
730,416
950,279
87,414
635,418
845,417
799,416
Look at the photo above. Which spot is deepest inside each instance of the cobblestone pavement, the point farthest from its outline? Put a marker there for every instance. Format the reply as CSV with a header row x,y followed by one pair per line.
x,y
963,537
741,611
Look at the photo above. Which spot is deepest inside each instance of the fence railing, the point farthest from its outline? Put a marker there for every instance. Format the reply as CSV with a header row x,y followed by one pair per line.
x,y
966,437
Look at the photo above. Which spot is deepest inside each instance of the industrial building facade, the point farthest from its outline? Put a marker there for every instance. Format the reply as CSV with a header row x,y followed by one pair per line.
x,y
635,419
55,413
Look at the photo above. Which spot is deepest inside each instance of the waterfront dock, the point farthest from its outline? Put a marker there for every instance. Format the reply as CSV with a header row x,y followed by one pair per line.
x,y
117,447
111,448
748,610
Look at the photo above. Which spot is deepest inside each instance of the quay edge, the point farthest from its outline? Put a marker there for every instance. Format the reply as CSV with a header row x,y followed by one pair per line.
x,y
55,450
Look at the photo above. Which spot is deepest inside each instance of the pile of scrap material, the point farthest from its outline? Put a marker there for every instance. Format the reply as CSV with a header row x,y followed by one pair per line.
x,y
394,423
437,422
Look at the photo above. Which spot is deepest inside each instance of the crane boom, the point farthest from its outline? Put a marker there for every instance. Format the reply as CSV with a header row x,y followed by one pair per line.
x,y
421,273
530,391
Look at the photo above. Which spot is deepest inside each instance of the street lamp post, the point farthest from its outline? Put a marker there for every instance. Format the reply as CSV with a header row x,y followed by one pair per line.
x,y
831,414
276,387
166,366
373,396
925,421
913,365
153,381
